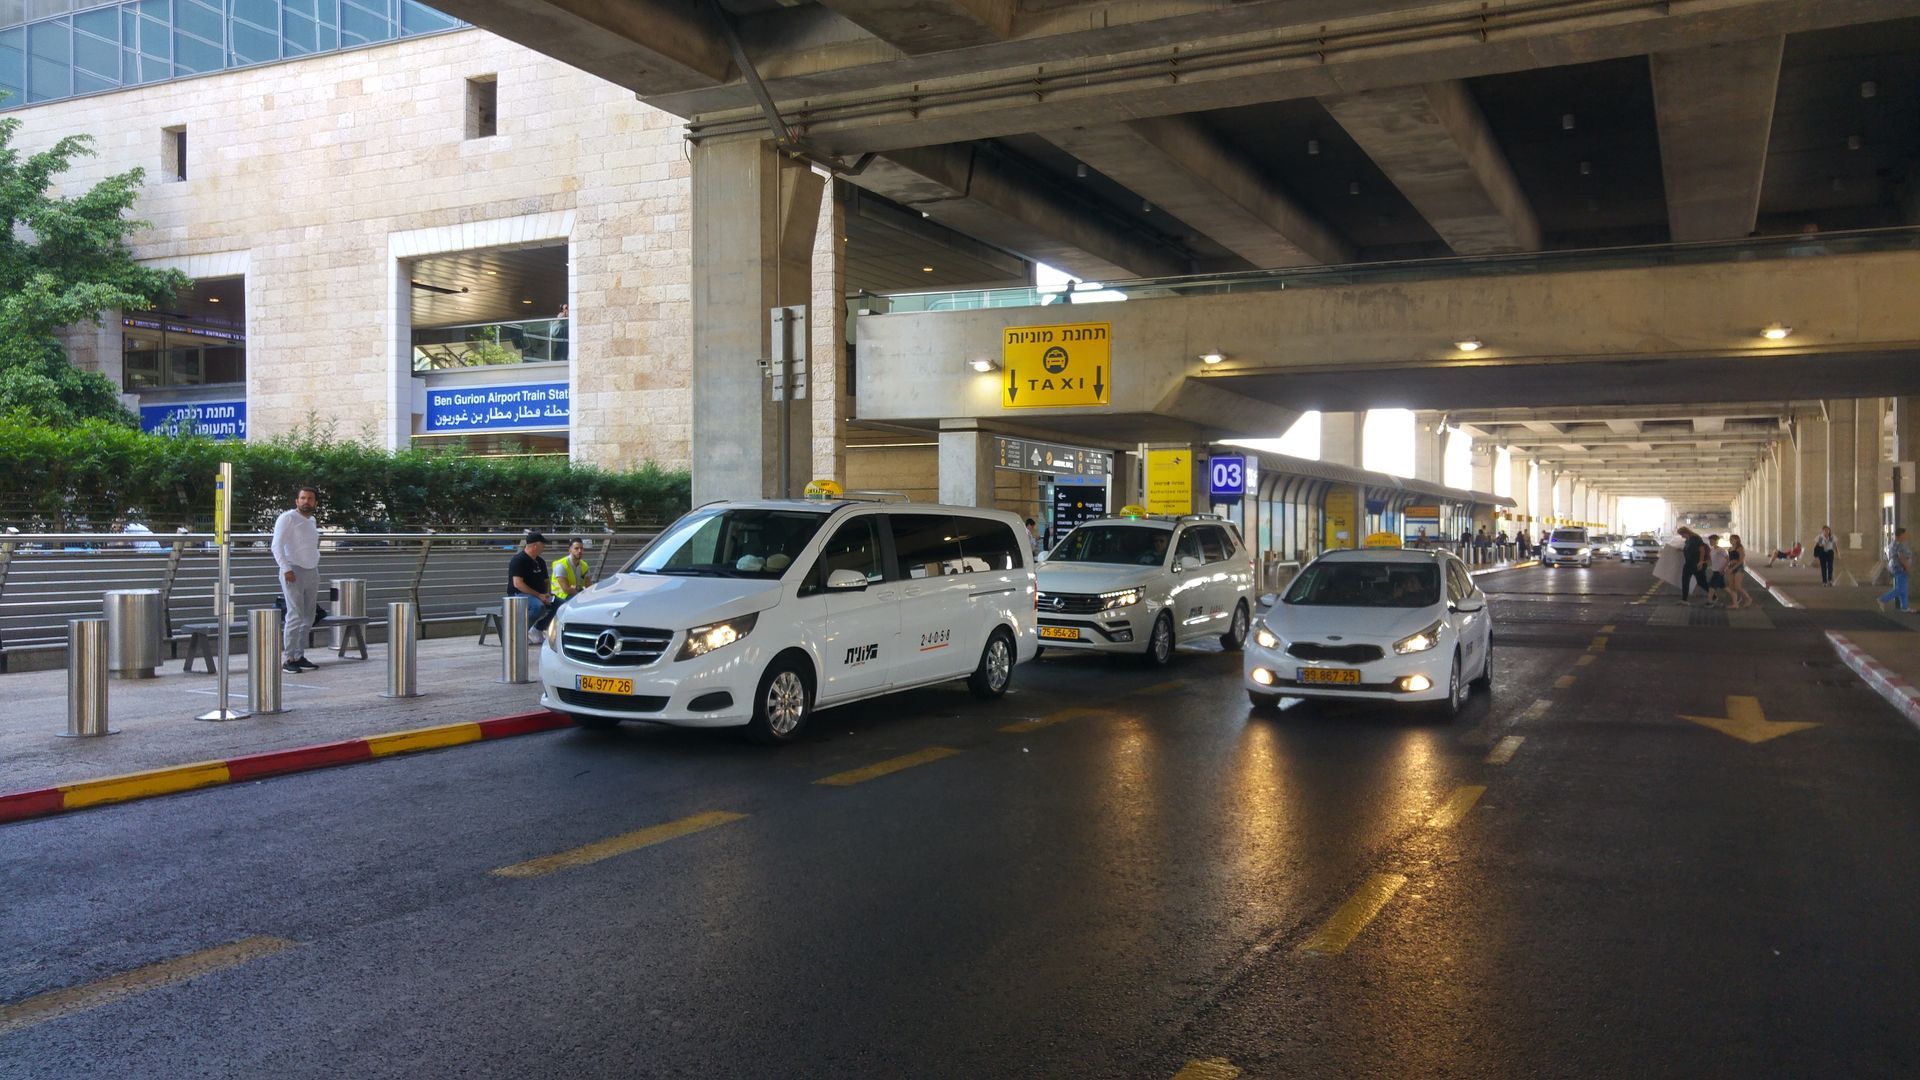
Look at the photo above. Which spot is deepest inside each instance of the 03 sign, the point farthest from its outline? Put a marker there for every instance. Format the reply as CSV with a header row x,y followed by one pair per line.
x,y
1228,478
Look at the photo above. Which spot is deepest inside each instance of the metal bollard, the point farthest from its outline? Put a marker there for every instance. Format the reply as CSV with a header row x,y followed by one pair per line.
x,y
513,639
86,679
349,599
263,660
134,618
403,656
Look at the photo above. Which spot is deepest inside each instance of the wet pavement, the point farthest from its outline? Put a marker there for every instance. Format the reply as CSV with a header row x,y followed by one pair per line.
x,y
1633,857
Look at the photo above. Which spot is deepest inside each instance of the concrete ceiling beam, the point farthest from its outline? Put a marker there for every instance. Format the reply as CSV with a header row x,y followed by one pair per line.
x,y
1714,106
1626,427
1434,144
1595,414
917,27
994,201
647,46
1178,164
1710,425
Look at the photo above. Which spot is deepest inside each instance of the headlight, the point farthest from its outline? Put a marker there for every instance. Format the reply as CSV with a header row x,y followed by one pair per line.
x,y
702,640
1263,637
1420,641
553,634
1123,598
1586,551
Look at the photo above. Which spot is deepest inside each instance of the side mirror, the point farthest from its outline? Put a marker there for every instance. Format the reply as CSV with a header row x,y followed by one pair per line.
x,y
1187,562
846,581
1041,557
1269,599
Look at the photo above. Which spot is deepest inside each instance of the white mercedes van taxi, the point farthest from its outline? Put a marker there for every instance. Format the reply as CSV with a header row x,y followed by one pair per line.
x,y
757,613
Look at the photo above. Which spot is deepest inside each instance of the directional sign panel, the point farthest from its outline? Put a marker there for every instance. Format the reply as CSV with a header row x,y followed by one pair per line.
x,y
1056,367
1034,456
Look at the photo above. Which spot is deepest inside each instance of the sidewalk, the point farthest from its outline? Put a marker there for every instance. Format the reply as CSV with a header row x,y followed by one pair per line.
x,y
156,728
1887,660
1799,586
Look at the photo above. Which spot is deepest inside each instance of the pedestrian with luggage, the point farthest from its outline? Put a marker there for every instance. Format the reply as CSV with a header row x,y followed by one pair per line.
x,y
1900,565
1823,549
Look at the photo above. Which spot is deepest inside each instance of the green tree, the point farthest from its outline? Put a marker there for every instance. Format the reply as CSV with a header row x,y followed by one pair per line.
x,y
64,260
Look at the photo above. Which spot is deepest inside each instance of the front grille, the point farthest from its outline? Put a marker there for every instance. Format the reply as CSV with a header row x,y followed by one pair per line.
x,y
1357,688
1070,604
626,703
636,646
1344,654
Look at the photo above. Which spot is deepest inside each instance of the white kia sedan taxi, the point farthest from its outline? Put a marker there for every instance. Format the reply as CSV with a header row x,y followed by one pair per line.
x,y
1386,625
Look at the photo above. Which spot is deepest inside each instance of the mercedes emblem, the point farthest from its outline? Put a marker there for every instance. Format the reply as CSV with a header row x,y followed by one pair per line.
x,y
607,645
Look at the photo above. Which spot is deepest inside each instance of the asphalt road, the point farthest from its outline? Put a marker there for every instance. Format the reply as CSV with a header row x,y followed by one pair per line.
x,y
1142,879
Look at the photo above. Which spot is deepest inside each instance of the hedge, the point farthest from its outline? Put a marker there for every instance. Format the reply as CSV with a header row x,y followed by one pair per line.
x,y
77,478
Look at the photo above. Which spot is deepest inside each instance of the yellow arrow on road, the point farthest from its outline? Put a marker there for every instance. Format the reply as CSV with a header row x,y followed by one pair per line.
x,y
1746,722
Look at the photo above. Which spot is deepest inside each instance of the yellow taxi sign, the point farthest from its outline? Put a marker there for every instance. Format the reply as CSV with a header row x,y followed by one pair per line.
x,y
1133,510
1384,540
1056,367
824,488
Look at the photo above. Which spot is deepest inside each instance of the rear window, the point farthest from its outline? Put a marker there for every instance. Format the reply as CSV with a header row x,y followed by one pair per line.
x,y
1366,584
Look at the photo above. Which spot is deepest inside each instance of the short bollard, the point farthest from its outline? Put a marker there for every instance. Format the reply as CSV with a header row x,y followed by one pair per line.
x,y
86,679
513,639
349,600
403,651
264,684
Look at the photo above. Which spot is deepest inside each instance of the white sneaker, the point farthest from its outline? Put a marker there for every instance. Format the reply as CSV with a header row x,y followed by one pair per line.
x,y
535,637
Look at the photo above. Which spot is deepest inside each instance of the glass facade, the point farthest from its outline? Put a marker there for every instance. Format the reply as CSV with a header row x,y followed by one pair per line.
x,y
149,41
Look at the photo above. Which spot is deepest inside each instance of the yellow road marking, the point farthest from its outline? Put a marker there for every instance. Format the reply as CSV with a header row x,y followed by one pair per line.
x,y
1353,916
1161,688
1563,682
1599,644
882,768
618,845
56,1004
1059,716
1504,750
406,742
1538,709
1583,660
1745,721
112,789
1456,806
1607,629
1208,1069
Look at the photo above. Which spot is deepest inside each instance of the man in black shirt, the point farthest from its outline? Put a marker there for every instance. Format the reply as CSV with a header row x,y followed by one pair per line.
x,y
527,576
1693,565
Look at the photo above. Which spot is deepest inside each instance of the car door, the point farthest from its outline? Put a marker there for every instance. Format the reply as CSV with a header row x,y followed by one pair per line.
x,y
1225,568
1190,601
858,630
1469,624
934,603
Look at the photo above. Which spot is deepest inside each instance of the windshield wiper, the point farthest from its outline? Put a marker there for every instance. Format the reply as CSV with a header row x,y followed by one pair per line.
x,y
682,571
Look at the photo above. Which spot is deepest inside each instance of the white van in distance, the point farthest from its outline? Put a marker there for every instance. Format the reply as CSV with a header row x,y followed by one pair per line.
x,y
757,613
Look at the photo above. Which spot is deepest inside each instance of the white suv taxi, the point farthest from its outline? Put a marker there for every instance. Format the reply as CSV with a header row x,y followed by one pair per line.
x,y
1374,625
757,613
1144,585
1567,546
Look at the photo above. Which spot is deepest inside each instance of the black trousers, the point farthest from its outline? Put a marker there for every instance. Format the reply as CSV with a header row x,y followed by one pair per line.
x,y
1826,566
1687,581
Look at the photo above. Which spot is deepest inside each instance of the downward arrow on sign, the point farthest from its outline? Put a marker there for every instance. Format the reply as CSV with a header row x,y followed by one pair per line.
x,y
1746,722
1098,386
1013,391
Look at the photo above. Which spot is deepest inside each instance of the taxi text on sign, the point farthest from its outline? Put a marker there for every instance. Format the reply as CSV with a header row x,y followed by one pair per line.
x,y
1169,481
1056,367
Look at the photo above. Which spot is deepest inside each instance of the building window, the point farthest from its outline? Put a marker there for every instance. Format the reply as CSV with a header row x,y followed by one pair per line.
x,y
483,105
200,339
173,153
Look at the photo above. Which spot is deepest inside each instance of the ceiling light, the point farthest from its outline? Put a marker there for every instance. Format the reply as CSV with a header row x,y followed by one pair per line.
x,y
1212,358
1566,122
983,364
1313,147
1146,207
213,299
926,269
924,214
1080,170
526,301
1869,89
493,273
1471,344
1776,331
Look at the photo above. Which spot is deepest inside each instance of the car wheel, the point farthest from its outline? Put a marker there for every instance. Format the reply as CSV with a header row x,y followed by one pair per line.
x,y
1160,642
1236,635
782,705
1264,702
1485,680
1457,691
594,723
995,671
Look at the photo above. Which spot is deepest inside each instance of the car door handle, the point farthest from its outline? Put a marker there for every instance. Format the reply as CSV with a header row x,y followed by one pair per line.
x,y
884,594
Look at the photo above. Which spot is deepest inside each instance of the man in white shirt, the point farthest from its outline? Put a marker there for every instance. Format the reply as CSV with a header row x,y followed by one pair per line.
x,y
296,551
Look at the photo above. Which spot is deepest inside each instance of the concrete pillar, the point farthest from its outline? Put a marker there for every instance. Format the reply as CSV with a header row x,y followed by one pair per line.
x,y
1517,484
1810,478
1483,462
755,215
1866,475
1429,448
1906,447
1123,487
1786,522
828,387
1842,455
966,465
1342,438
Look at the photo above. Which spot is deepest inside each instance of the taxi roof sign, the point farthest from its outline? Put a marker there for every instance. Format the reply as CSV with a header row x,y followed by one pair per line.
x,y
1383,540
1133,510
823,488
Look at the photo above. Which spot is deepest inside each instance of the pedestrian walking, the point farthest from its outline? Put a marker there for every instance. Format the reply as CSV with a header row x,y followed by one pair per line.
x,y
570,572
1900,565
296,551
1823,548
1466,544
1716,570
527,576
1693,564
1500,544
1420,539
1482,545
1736,572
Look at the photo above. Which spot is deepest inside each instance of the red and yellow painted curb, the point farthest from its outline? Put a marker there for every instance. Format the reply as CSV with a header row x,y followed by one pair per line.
x,y
21,805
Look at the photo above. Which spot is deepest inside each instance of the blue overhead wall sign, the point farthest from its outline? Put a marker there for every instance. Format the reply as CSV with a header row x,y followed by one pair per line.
x,y
504,407
214,419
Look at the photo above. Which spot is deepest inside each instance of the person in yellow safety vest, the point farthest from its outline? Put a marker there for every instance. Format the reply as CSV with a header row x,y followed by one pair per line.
x,y
571,572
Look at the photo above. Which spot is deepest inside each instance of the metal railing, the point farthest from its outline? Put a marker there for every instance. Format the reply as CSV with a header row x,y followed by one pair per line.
x,y
525,341
48,578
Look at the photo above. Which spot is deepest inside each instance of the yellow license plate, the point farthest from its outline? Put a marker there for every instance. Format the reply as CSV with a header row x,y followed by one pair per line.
x,y
1337,676
1061,633
601,685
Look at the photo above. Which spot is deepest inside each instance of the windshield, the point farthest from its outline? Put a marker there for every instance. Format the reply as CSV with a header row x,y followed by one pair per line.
x,y
1124,545
1569,536
1367,584
730,543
